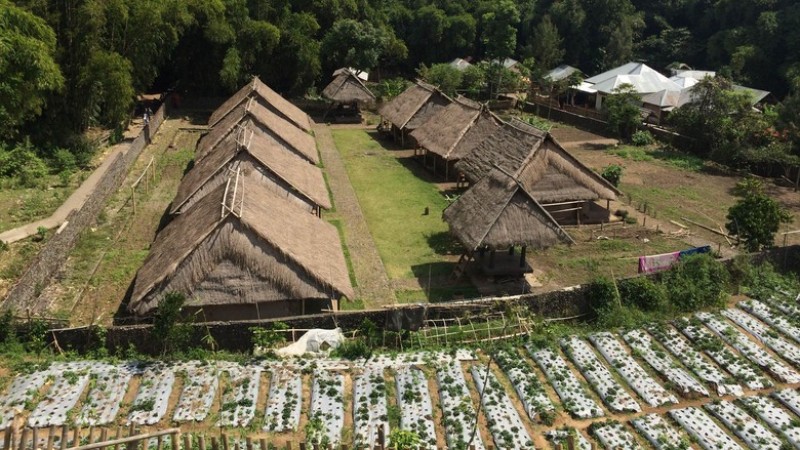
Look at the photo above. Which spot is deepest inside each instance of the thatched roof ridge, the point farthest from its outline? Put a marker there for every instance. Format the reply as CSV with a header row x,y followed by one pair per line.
x,y
281,131
411,103
271,100
508,148
301,241
498,213
447,133
306,179
348,88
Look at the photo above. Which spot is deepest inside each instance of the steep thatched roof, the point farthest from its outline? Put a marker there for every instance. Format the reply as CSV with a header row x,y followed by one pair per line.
x,y
273,250
507,148
290,171
497,212
269,99
346,87
453,132
269,124
414,106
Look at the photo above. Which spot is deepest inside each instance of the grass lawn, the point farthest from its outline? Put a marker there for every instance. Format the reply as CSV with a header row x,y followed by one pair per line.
x,y
22,205
393,198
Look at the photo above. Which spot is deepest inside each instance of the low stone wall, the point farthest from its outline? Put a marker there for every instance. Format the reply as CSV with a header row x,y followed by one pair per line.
x,y
559,115
24,296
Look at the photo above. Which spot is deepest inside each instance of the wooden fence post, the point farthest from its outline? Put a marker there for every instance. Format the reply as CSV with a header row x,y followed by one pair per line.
x,y
187,442
225,443
214,443
50,437
23,439
7,439
201,441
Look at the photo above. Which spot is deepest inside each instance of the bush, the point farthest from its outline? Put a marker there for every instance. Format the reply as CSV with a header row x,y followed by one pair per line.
x,y
612,174
696,282
352,350
641,138
643,293
603,294
167,330
64,161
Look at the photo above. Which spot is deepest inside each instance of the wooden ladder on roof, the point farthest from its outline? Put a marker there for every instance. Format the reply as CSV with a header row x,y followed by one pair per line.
x,y
461,266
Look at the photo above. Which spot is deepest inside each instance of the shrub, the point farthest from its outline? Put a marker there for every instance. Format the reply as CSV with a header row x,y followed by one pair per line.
x,y
64,160
167,330
630,220
404,439
613,174
641,138
696,282
643,293
352,350
603,294
621,213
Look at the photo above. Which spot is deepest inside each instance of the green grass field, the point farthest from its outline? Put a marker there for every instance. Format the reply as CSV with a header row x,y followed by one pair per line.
x,y
393,198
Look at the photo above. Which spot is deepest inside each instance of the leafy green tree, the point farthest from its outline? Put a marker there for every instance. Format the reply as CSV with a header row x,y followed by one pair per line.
x,y
756,217
350,43
445,76
28,69
621,110
695,282
546,48
168,330
613,174
500,29
107,81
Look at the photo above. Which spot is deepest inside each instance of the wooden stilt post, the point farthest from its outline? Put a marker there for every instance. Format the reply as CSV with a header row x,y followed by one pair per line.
x,y
522,256
23,440
214,443
35,438
7,444
201,441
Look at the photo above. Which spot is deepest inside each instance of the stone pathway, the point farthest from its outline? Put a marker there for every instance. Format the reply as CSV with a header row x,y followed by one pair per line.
x,y
373,283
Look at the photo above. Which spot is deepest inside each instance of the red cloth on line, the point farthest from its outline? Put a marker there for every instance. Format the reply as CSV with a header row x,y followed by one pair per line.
x,y
657,263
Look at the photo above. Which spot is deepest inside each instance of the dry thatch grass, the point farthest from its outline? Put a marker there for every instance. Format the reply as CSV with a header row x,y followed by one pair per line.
x,y
454,131
269,99
348,88
414,106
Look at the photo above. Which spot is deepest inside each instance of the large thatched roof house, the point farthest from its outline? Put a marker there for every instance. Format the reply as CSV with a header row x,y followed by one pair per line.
x,y
267,123
347,88
412,108
556,179
455,131
244,252
252,153
269,99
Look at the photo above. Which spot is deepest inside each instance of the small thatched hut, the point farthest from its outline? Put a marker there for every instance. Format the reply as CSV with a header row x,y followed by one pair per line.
x,y
556,179
347,89
412,108
497,214
455,131
268,99
243,252
267,124
249,151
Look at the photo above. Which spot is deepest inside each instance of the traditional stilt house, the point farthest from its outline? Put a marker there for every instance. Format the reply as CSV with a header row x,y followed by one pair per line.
x,y
454,132
267,98
244,252
269,164
267,124
347,93
564,186
412,108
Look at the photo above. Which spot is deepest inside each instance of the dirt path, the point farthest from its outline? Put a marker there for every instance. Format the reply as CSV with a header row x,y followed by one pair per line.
x,y
373,283
75,201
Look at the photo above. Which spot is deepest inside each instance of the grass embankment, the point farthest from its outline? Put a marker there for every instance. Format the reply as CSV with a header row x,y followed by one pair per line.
x,y
20,205
393,193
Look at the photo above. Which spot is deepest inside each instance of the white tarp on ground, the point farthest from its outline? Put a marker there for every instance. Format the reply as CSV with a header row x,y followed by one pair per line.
x,y
315,340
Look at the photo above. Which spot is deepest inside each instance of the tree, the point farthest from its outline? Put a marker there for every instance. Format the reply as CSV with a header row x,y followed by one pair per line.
x,y
350,43
500,29
445,76
168,331
546,47
28,69
621,109
755,217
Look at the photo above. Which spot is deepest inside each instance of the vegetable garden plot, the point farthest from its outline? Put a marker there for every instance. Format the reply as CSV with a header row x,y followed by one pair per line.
x,y
369,407
707,433
416,408
420,358
567,386
459,413
776,320
326,417
779,420
22,391
284,401
561,436
749,349
755,435
239,398
644,385
765,334
152,399
614,436
107,387
199,388
528,387
659,432
663,364
60,399
505,424
790,398
598,375
715,348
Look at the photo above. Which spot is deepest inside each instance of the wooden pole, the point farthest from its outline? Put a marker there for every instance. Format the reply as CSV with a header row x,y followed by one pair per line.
x,y
248,443
7,444
187,442
214,443
201,441
35,439
76,436
23,439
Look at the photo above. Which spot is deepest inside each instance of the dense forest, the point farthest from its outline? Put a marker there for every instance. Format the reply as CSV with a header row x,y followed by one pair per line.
x,y
66,65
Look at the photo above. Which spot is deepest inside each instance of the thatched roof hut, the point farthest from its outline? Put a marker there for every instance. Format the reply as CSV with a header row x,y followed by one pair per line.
x,y
242,249
453,132
498,213
414,106
347,88
269,124
507,148
249,150
267,98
